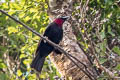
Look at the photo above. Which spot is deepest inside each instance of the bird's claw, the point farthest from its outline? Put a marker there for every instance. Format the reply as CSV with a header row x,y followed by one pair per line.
x,y
45,40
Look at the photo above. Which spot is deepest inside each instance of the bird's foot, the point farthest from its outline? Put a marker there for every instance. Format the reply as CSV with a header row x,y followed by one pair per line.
x,y
45,40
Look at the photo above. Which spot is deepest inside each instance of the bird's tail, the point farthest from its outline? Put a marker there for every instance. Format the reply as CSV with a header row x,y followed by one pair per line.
x,y
37,63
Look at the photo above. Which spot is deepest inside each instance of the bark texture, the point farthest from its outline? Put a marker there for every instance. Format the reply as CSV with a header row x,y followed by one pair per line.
x,y
69,43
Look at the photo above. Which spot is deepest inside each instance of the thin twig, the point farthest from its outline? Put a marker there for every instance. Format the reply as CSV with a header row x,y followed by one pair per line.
x,y
82,64
68,56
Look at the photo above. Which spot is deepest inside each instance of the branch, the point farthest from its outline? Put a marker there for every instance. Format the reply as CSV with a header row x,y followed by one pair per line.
x,y
47,40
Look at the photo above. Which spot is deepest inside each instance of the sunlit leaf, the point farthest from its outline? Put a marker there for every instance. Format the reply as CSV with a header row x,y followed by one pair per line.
x,y
109,15
21,15
27,61
33,10
42,30
12,30
36,38
42,76
46,6
19,73
32,77
2,65
22,56
17,6
5,5
26,18
11,12
83,31
23,49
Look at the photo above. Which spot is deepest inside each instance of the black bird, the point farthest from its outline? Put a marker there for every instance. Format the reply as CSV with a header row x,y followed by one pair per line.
x,y
54,32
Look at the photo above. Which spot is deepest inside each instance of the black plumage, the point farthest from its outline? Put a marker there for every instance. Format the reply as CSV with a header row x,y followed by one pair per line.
x,y
54,32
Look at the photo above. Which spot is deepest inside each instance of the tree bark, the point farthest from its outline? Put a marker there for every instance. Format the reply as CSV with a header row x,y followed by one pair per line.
x,y
69,43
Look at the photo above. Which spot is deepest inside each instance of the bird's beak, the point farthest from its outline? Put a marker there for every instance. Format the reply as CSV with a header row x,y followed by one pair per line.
x,y
66,18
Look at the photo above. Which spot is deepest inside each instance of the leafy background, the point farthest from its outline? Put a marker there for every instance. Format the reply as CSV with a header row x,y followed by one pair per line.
x,y
17,45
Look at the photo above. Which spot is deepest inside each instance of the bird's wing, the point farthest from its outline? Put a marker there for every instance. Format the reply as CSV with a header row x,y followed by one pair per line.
x,y
46,33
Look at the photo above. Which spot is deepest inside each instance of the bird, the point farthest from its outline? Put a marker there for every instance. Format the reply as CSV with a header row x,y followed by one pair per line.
x,y
53,32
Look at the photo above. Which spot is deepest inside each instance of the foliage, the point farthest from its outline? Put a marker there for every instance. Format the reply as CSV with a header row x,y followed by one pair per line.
x,y
17,45
98,30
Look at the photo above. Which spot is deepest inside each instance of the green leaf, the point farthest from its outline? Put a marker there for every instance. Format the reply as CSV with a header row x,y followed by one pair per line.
x,y
46,6
42,76
2,49
27,61
22,56
32,77
116,49
42,30
4,5
102,60
33,10
12,30
26,18
19,73
109,15
0,60
17,6
117,67
21,15
22,38
11,12
110,31
102,34
103,45
3,76
2,65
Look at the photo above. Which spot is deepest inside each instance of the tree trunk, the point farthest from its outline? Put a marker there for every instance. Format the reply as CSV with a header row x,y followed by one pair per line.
x,y
69,43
